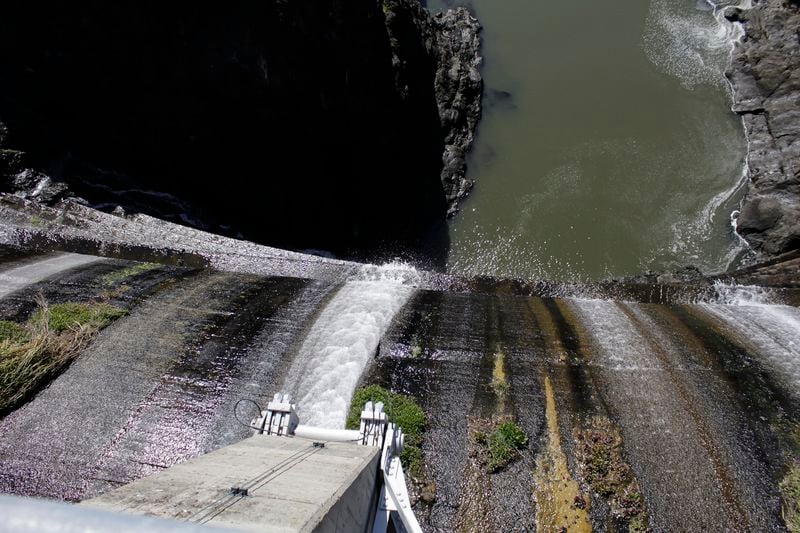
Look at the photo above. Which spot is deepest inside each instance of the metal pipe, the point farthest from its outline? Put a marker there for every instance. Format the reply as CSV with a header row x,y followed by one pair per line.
x,y
331,435
29,515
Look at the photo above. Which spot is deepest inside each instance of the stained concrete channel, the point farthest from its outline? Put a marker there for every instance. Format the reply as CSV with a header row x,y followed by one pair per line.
x,y
156,387
707,425
704,406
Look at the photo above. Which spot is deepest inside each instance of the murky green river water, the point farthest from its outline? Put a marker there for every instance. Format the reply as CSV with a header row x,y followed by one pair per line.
x,y
607,146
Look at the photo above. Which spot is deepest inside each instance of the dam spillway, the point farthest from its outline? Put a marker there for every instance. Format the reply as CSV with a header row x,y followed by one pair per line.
x,y
701,395
343,340
136,339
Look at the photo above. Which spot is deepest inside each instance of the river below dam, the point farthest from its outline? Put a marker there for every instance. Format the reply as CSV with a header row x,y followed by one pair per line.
x,y
607,146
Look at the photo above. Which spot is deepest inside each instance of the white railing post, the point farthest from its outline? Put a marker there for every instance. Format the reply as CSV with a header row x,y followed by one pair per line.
x,y
280,417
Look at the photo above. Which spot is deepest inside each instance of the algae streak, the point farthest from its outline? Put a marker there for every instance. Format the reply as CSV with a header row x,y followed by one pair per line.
x,y
500,379
561,506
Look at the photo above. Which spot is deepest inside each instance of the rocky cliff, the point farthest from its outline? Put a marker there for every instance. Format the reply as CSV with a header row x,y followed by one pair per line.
x,y
335,125
453,37
765,75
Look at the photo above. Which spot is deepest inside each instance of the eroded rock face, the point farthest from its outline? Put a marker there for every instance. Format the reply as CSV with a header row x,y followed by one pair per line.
x,y
338,125
458,93
448,44
765,74
17,176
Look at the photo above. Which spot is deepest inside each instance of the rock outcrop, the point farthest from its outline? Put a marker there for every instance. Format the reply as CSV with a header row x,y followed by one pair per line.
x,y
765,75
17,176
452,39
338,125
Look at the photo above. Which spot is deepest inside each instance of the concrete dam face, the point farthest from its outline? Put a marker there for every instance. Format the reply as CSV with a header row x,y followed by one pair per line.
x,y
672,415
208,221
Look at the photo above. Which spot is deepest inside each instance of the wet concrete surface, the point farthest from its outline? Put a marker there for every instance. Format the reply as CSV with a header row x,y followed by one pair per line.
x,y
706,407
447,364
706,442
151,391
183,412
444,378
113,281
693,451
727,428
510,332
20,276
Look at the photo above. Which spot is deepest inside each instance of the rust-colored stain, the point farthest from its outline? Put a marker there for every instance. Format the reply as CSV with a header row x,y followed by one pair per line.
x,y
559,501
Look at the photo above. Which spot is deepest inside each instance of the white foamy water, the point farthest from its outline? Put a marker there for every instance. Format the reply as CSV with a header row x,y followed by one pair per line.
x,y
618,345
343,339
694,45
733,294
689,236
774,330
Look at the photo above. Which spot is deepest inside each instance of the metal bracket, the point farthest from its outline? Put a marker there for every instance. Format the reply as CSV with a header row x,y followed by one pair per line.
x,y
280,417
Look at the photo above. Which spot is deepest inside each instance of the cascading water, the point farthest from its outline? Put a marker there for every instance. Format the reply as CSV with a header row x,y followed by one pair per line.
x,y
773,330
667,377
342,340
735,294
618,348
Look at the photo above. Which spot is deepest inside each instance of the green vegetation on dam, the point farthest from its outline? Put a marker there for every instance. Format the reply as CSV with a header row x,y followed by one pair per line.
x,y
524,413
227,207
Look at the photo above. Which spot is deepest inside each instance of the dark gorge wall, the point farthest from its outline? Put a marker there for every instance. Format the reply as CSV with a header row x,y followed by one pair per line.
x,y
765,76
298,124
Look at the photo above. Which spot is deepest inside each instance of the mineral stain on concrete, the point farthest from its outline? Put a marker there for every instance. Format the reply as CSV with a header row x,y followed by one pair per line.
x,y
560,504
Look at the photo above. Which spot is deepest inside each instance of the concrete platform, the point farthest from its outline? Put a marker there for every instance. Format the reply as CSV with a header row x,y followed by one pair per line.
x,y
291,485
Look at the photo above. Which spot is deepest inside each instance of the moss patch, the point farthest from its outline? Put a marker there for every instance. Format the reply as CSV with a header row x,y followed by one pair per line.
x,y
599,452
13,332
790,491
134,270
33,353
404,411
67,316
499,441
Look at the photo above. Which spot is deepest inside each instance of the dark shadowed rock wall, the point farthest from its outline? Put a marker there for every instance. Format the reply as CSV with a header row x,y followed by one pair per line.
x,y
297,124
765,75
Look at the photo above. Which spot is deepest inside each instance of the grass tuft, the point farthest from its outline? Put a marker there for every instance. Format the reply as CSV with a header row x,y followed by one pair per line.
x,y
499,441
404,411
125,273
33,353
13,332
67,316
790,489
505,443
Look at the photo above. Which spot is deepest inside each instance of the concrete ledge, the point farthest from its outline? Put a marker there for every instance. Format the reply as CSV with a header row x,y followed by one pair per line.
x,y
291,485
